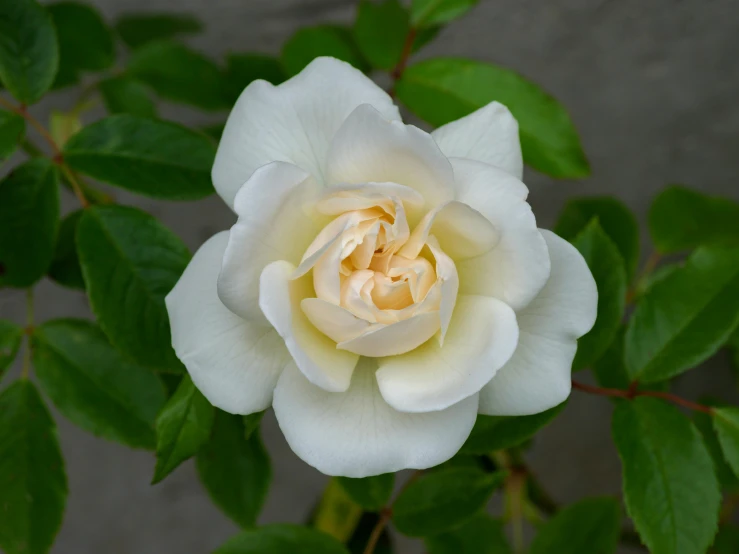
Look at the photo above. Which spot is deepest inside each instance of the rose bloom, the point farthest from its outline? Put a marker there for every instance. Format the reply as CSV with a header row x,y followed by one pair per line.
x,y
382,285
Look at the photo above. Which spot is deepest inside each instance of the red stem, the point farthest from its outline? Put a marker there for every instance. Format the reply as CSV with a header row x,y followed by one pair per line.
x,y
398,70
633,393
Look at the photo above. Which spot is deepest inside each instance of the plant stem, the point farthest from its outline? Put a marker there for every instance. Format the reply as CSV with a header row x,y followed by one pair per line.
x,y
649,266
633,393
29,329
399,68
386,513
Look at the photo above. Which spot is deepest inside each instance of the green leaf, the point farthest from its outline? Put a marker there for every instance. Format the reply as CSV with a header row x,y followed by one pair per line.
x,y
11,336
235,471
727,541
29,211
62,125
309,43
33,485
592,526
498,432
156,158
681,219
430,12
183,427
282,538
242,69
380,32
371,493
439,501
65,267
124,94
607,266
29,54
357,544
480,535
726,424
12,129
252,423
85,41
179,74
139,29
337,514
686,317
93,385
704,423
615,218
444,89
130,262
670,488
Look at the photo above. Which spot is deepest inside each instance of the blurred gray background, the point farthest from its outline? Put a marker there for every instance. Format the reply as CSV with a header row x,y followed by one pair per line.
x,y
653,88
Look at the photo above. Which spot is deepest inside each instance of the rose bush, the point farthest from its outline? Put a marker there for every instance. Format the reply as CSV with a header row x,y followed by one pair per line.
x,y
382,285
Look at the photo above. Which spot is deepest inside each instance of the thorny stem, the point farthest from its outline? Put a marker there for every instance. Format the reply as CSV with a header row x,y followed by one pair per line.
x,y
398,70
385,515
633,393
29,329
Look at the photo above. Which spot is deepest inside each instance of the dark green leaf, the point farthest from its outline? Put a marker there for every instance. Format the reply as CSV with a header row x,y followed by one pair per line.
x,y
610,369
727,541
12,129
607,266
439,501
681,219
235,470
65,267
179,74
591,526
686,317
93,385
139,29
670,488
130,262
724,473
252,422
214,131
480,535
29,212
242,69
659,274
29,54
10,341
33,485
430,12
726,424
309,43
362,533
151,157
380,32
126,95
183,427
282,538
371,493
85,41
615,219
498,432
444,89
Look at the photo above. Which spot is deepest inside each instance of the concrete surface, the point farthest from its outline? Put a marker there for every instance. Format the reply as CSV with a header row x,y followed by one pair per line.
x,y
652,88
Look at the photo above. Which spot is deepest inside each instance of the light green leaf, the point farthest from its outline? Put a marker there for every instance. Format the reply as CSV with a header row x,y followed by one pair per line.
x,y
62,125
65,267
681,219
139,29
480,535
242,69
183,427
29,54
93,385
607,266
371,493
309,43
498,432
11,336
615,218
130,262
282,538
440,501
156,158
33,484
29,212
380,32
124,94
179,74
441,90
670,488
726,424
337,514
12,129
234,470
686,317
430,12
591,526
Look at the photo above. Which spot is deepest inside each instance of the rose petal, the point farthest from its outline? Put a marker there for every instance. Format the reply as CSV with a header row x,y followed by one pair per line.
x,y
356,434
479,184
233,362
397,338
538,376
335,322
446,273
338,199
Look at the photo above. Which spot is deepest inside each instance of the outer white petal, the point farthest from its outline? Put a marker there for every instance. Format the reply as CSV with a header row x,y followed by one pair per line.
x,y
293,122
479,184
275,223
488,135
538,376
314,353
368,147
233,362
356,434
482,337
396,338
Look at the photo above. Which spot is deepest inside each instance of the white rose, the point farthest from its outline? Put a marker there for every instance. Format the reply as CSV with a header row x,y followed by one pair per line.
x,y
382,285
